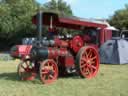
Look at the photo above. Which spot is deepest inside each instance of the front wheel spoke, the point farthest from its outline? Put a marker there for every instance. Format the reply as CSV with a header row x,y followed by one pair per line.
x,y
89,53
44,72
51,76
53,71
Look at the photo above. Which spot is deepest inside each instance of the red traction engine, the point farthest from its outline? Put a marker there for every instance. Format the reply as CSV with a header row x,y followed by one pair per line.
x,y
56,55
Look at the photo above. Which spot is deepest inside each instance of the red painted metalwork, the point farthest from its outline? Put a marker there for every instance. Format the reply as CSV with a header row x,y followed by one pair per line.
x,y
82,22
48,71
68,22
88,62
105,35
74,23
66,61
86,38
69,61
64,55
54,52
76,43
26,70
21,51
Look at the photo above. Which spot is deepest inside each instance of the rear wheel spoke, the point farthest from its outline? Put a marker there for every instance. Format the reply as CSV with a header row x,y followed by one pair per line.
x,y
83,59
83,65
93,58
86,54
92,66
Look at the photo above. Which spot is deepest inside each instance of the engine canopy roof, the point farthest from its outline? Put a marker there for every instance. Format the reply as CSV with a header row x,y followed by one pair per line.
x,y
69,22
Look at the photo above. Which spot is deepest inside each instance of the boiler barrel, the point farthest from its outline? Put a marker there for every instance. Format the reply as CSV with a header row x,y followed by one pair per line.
x,y
47,53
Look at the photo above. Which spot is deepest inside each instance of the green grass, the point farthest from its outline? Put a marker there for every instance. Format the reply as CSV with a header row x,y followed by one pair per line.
x,y
112,80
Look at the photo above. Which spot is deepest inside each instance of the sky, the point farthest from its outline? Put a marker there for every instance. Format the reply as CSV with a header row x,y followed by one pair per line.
x,y
101,9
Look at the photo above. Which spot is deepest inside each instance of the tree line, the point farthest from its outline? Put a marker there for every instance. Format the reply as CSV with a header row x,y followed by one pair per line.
x,y
16,15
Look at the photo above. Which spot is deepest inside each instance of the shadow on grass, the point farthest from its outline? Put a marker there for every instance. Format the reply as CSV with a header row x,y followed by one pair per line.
x,y
9,76
68,76
13,76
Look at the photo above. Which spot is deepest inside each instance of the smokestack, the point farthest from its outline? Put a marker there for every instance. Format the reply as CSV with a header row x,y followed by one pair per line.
x,y
39,24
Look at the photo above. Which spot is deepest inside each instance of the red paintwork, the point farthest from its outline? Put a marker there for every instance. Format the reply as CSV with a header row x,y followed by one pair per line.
x,y
88,60
61,43
78,51
69,22
22,50
69,61
105,35
76,23
86,38
76,43
66,61
54,52
48,71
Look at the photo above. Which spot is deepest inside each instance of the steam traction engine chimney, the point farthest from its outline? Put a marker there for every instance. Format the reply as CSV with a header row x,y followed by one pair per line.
x,y
39,24
68,55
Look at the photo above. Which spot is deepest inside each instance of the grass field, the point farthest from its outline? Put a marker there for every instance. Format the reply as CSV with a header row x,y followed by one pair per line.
x,y
112,80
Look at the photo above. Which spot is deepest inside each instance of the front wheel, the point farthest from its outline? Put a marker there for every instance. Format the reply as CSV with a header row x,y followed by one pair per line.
x,y
87,62
48,71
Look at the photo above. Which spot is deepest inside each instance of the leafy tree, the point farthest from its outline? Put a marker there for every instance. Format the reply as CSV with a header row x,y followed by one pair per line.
x,y
15,19
120,18
59,6
16,15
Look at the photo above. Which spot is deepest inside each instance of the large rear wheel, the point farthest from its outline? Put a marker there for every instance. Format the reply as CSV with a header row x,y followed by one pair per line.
x,y
88,62
48,71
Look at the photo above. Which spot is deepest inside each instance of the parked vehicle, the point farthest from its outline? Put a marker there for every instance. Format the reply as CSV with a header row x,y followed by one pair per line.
x,y
55,54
